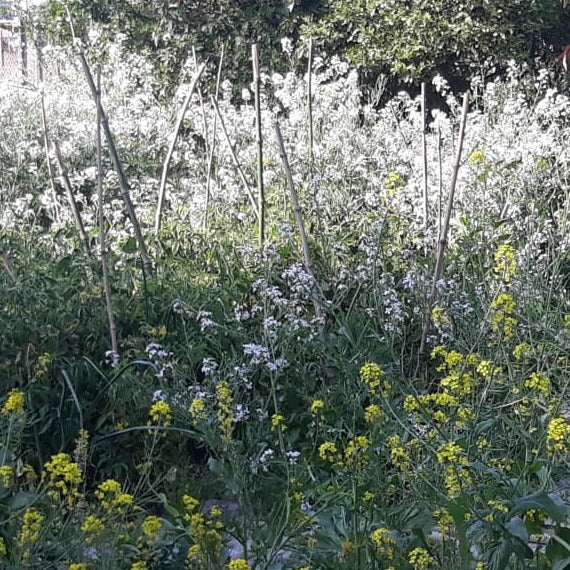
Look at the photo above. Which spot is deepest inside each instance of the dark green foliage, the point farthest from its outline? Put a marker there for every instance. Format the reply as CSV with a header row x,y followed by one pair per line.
x,y
171,29
413,40
409,41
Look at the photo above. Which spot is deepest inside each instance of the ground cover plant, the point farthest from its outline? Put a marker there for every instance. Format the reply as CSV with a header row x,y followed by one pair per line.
x,y
257,412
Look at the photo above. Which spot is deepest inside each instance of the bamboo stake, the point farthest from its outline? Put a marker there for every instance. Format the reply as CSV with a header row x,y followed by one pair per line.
x,y
439,183
311,137
213,145
70,195
235,159
424,160
168,159
205,133
298,214
46,148
310,103
260,188
123,182
445,229
102,230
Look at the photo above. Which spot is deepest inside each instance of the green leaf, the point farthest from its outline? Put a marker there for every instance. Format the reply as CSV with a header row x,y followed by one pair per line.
x,y
130,246
22,500
557,550
518,529
562,564
552,505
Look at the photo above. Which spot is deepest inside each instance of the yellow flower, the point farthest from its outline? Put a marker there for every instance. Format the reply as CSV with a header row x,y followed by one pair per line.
x,y
43,364
78,566
375,378
355,452
505,263
158,332
384,542
278,421
393,182
497,506
197,526
399,456
14,404
539,382
535,515
502,321
111,496
92,527
64,476
368,497
450,453
477,158
160,414
198,410
190,503
6,476
411,404
238,564
486,369
420,559
373,413
456,479
32,522
139,566
445,521
3,550
328,452
461,384
521,350
440,318
225,410
194,552
557,436
151,527
317,406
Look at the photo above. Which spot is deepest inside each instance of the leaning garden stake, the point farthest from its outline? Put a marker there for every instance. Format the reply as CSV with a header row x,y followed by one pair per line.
x,y
213,143
235,159
71,196
445,228
298,214
424,160
167,160
103,234
123,182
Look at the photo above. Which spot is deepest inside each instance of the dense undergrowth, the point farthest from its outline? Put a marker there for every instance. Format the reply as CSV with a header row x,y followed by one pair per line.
x,y
235,428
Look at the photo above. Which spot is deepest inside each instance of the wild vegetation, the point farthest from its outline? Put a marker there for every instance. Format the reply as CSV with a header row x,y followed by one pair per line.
x,y
264,408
